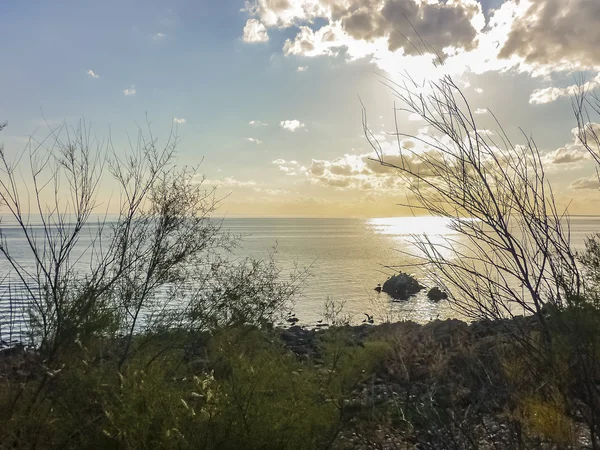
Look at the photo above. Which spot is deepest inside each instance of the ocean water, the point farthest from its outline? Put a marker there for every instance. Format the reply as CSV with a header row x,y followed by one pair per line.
x,y
346,259
349,257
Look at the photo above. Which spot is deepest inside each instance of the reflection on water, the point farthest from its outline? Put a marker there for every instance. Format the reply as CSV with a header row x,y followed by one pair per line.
x,y
435,230
402,226
347,258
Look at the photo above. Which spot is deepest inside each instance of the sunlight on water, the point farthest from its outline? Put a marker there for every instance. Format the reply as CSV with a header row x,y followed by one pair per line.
x,y
402,226
346,258
407,230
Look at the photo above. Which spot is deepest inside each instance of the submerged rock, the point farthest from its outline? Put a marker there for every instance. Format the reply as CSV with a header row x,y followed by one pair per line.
x,y
401,286
436,294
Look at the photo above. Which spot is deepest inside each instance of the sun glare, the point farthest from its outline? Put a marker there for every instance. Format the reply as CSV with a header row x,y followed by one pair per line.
x,y
407,226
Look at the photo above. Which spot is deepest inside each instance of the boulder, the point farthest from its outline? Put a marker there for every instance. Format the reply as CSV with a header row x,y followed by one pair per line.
x,y
435,294
401,286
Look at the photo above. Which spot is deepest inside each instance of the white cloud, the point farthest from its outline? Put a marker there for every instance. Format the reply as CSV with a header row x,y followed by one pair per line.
x,y
271,192
302,69
325,41
480,111
92,74
230,182
551,94
382,31
532,36
178,120
158,36
573,152
291,125
257,123
253,140
364,172
414,117
479,90
291,168
255,31
130,91
360,171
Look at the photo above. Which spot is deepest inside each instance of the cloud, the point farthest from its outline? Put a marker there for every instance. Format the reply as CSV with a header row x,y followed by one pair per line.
x,y
551,94
272,192
548,95
572,152
325,41
479,90
441,24
358,171
420,156
158,36
291,125
565,155
255,31
289,167
92,74
383,32
531,36
586,183
254,141
257,123
231,182
556,32
178,120
302,69
480,111
130,91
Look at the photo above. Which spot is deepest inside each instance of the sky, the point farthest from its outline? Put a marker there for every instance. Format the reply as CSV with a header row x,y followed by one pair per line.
x,y
266,95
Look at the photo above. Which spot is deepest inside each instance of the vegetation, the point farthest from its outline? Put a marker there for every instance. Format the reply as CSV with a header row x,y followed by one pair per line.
x,y
154,338
513,255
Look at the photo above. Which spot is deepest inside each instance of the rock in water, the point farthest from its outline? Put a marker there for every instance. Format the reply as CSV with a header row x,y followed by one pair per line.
x,y
401,286
435,294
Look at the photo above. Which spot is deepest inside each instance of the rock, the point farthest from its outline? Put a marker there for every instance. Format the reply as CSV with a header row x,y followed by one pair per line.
x,y
18,349
435,294
401,286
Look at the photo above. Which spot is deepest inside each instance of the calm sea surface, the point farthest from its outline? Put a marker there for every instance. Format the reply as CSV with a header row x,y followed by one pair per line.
x,y
347,258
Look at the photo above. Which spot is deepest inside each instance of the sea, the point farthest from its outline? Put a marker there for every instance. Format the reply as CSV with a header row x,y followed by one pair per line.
x,y
345,260
348,258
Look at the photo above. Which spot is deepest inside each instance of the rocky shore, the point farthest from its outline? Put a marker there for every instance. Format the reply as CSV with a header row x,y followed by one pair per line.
x,y
447,373
442,380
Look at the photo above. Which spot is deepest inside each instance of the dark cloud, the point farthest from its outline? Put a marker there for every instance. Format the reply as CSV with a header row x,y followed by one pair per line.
x,y
555,31
586,183
275,5
361,25
440,24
